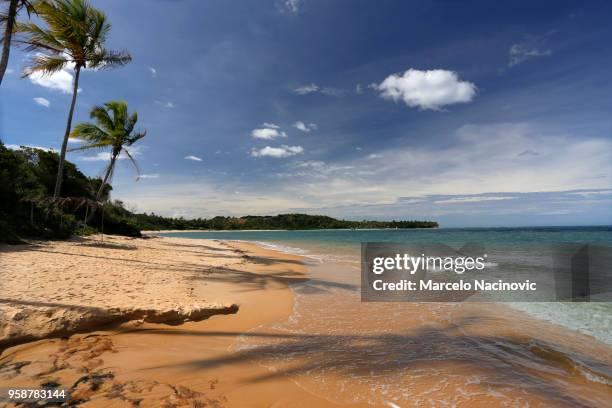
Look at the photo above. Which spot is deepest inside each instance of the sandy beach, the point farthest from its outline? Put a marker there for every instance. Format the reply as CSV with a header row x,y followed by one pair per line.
x,y
129,322
176,322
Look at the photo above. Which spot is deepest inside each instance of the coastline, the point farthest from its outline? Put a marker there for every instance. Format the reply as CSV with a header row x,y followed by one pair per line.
x,y
258,353
181,361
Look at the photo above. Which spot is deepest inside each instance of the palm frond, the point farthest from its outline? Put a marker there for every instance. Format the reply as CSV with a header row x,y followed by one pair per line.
x,y
100,114
46,64
100,145
91,133
34,38
73,28
131,122
133,139
127,153
104,59
119,109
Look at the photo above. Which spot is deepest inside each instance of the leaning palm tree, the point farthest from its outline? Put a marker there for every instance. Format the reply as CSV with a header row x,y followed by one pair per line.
x,y
74,37
114,129
8,19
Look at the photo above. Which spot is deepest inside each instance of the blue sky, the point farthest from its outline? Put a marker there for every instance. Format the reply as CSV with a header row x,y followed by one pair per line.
x,y
471,113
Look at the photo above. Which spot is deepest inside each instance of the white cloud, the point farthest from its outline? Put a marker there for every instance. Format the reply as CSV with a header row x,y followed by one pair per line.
x,y
531,47
106,156
101,156
149,176
306,89
58,81
267,133
168,104
18,147
271,125
305,127
314,88
480,159
193,158
293,6
42,101
277,152
475,199
431,89
375,156
153,72
589,193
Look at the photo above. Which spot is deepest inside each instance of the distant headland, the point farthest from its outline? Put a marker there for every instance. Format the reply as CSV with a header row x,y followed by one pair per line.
x,y
272,222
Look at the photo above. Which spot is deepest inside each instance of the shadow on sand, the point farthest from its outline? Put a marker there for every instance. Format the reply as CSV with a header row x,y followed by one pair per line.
x,y
535,367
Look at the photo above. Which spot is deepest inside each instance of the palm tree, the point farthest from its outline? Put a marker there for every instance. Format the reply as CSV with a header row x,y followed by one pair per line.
x,y
75,38
8,19
114,128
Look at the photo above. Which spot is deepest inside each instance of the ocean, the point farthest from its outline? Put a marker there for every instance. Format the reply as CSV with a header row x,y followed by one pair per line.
x,y
399,353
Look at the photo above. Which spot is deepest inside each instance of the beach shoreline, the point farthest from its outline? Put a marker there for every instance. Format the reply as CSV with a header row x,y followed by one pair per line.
x,y
166,321
141,356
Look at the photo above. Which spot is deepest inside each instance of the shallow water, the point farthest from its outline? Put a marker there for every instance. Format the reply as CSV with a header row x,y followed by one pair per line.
x,y
432,354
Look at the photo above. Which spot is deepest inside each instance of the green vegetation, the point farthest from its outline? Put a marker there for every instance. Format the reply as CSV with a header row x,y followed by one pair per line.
x,y
113,128
274,222
74,35
27,208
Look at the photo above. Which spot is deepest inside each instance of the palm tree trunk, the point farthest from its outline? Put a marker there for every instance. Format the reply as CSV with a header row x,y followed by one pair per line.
x,y
109,171
60,168
8,34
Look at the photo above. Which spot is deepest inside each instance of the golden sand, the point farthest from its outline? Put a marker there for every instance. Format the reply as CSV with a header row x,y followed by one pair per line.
x,y
52,289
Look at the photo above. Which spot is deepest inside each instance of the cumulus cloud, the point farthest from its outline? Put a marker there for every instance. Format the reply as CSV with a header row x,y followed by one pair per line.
x,y
153,72
58,81
267,133
431,89
42,101
531,47
277,152
193,158
271,125
305,127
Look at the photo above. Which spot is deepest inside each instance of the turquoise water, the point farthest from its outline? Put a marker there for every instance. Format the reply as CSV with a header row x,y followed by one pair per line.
x,y
351,239
514,249
393,354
